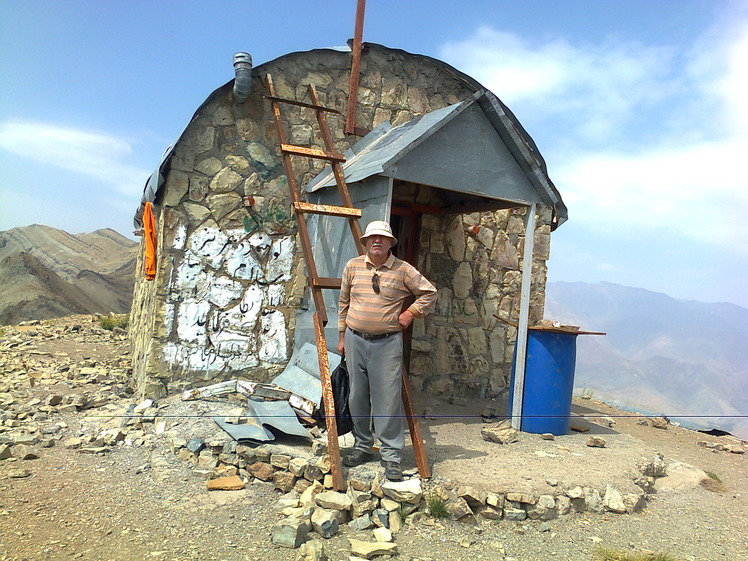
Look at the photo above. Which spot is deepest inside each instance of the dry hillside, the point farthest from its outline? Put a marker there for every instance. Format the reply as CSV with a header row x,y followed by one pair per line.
x,y
49,273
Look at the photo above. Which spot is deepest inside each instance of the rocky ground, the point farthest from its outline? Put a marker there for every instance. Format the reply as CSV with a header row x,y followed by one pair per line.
x,y
89,472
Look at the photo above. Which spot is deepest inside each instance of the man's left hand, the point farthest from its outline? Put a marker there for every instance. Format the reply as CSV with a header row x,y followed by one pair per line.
x,y
405,319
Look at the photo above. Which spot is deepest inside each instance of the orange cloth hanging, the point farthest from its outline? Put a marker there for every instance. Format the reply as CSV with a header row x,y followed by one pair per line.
x,y
149,232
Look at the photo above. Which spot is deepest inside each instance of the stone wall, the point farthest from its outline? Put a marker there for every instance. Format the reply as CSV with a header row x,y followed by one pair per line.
x,y
475,261
230,277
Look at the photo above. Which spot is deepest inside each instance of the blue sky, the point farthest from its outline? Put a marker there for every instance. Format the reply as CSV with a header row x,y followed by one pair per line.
x,y
640,109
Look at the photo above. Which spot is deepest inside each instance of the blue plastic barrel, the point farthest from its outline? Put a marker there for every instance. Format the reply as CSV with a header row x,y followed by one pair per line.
x,y
549,382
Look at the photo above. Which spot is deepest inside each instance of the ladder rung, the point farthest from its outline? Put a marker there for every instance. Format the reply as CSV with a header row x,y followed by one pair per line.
x,y
302,104
312,153
326,282
329,210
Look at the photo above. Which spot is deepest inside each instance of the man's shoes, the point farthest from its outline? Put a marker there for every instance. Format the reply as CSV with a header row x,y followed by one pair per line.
x,y
392,471
356,458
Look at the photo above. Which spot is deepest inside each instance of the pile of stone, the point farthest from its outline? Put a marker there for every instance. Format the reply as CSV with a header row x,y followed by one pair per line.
x,y
42,393
309,505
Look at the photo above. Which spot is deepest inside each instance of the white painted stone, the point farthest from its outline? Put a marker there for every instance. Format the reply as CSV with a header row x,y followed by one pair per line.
x,y
185,278
260,243
206,361
273,338
191,320
229,343
280,260
223,291
208,243
242,361
276,294
241,263
243,316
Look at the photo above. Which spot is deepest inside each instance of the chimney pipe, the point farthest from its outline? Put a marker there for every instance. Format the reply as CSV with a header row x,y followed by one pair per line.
x,y
243,76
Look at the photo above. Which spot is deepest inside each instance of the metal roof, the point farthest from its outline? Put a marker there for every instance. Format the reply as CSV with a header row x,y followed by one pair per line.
x,y
380,150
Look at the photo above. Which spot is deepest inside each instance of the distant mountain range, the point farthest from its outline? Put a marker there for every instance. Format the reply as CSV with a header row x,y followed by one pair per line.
x,y
683,359
45,273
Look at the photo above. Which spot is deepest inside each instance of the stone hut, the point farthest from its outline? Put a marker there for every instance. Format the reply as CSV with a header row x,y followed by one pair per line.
x,y
230,296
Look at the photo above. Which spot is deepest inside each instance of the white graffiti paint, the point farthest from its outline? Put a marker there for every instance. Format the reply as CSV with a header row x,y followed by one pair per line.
x,y
222,291
280,260
209,244
180,237
275,295
223,298
260,243
186,275
241,264
243,316
191,320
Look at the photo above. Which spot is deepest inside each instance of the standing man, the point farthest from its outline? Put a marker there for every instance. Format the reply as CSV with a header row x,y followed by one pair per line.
x,y
371,322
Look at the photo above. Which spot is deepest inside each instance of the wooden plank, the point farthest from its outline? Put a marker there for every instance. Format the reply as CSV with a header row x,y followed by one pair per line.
x,y
312,153
328,282
329,403
302,104
524,313
414,426
329,210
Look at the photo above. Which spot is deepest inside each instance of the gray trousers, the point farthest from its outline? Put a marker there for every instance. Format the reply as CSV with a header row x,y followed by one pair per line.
x,y
375,373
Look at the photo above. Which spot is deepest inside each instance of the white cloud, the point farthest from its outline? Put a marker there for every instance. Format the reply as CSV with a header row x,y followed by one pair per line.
x,y
598,85
96,155
670,128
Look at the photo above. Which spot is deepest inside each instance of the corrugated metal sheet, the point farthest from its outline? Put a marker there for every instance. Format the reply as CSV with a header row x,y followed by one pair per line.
x,y
386,144
380,151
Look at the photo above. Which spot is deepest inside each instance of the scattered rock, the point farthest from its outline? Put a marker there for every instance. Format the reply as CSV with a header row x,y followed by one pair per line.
x,y
368,550
325,522
291,532
313,550
613,501
596,442
232,483
502,433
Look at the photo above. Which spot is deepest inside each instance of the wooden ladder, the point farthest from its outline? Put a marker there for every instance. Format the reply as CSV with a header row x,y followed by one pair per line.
x,y
317,283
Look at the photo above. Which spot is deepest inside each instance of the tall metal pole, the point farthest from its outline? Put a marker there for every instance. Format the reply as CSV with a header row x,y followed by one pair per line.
x,y
524,316
358,33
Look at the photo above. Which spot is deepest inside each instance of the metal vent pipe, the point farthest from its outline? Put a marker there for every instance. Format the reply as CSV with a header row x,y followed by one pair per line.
x,y
243,76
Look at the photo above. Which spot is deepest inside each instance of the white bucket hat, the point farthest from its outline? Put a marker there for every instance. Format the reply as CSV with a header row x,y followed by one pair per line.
x,y
378,228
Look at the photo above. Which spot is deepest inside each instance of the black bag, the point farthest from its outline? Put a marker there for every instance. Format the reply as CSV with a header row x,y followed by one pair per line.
x,y
340,389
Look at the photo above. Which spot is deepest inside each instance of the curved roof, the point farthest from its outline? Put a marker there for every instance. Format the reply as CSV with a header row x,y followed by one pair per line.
x,y
519,142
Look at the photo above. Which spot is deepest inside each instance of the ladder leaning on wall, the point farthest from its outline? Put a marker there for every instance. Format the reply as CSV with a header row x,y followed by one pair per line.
x,y
317,283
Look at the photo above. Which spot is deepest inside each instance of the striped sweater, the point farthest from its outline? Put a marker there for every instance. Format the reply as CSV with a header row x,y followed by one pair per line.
x,y
362,309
